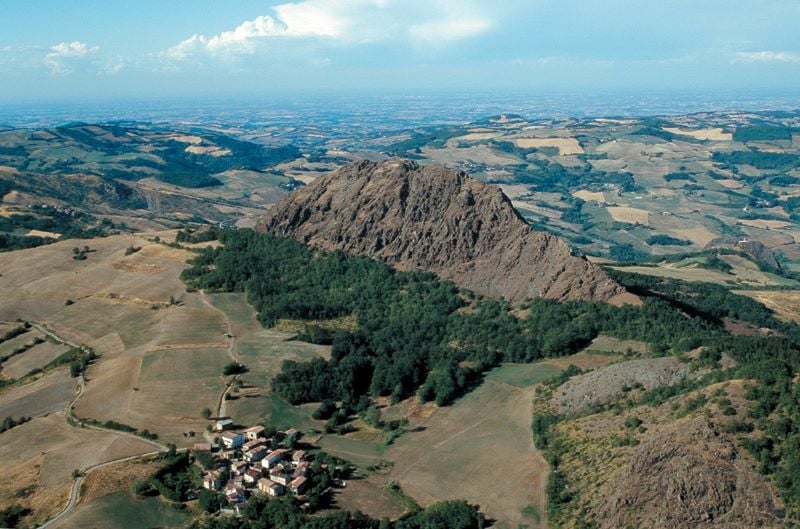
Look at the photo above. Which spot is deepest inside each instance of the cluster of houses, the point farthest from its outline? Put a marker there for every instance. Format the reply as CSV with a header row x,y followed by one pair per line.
x,y
250,463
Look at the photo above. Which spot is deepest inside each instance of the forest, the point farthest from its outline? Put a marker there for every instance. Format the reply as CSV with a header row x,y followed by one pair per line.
x,y
411,333
414,336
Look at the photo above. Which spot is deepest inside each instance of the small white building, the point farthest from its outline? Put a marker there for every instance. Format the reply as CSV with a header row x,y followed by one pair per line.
x,y
273,458
223,424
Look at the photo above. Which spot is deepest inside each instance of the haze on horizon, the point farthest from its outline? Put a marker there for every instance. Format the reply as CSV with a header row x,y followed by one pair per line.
x,y
54,51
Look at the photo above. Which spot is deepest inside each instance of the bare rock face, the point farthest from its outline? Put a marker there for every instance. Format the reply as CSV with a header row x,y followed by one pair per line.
x,y
439,220
606,383
689,476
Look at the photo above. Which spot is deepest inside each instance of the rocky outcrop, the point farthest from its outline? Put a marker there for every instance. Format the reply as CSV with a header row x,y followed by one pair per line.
x,y
689,475
609,382
440,220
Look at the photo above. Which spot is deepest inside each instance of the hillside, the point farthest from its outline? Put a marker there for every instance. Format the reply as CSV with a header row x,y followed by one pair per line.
x,y
438,220
138,175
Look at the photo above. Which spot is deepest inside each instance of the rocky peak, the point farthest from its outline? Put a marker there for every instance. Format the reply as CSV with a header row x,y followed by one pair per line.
x,y
440,220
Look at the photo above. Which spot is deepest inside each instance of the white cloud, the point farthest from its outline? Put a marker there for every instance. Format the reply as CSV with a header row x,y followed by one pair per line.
x,y
318,18
450,28
343,21
767,56
63,53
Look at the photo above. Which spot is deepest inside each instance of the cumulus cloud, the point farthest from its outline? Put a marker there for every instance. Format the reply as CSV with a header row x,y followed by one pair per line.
x,y
767,56
63,54
344,21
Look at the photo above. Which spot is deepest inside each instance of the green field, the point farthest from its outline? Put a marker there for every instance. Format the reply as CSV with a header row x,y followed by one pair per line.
x,y
361,453
122,511
523,375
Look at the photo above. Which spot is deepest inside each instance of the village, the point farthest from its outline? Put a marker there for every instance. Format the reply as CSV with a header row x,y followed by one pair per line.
x,y
247,463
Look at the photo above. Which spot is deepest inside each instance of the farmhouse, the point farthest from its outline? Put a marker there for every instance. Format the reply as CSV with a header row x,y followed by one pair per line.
x,y
251,476
232,439
290,436
255,454
238,467
298,484
298,456
280,477
269,488
254,432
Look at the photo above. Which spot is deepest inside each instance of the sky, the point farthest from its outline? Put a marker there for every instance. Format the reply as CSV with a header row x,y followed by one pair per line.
x,y
54,50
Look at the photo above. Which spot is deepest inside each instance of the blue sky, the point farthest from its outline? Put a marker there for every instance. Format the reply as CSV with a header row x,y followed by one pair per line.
x,y
55,49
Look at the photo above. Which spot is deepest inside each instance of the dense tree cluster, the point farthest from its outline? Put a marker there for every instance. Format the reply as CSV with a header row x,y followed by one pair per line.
x,y
67,225
770,161
762,133
10,422
667,240
260,513
10,517
176,477
626,253
191,235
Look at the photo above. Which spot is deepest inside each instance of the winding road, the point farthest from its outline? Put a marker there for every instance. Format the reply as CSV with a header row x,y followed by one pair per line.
x,y
76,485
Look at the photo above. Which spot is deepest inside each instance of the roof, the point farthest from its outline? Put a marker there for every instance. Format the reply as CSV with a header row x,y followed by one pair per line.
x,y
277,453
225,421
255,429
230,435
253,472
296,482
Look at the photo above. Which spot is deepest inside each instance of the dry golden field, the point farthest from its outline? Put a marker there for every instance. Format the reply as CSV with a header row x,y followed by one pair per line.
x,y
565,146
715,134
